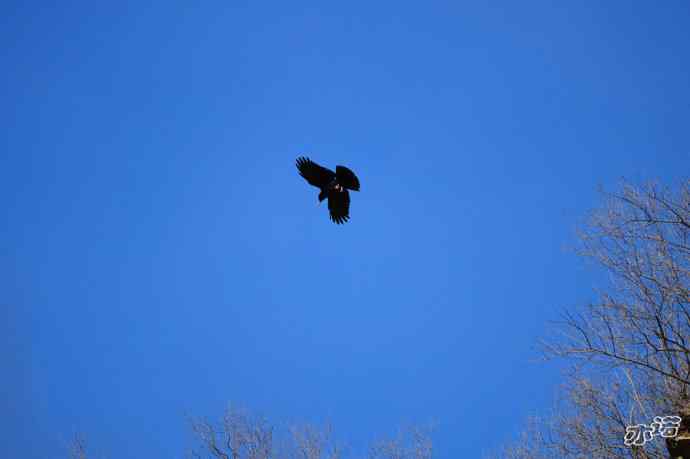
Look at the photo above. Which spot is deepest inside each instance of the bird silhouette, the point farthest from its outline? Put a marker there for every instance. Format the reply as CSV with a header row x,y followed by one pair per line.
x,y
332,185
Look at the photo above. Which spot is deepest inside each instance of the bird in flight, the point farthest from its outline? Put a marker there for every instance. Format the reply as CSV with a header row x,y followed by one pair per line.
x,y
333,186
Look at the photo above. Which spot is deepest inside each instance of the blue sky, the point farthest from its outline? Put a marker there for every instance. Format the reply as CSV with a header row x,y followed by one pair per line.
x,y
161,256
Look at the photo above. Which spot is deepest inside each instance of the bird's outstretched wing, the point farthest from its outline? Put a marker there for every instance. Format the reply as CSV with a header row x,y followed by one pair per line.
x,y
313,173
339,206
347,178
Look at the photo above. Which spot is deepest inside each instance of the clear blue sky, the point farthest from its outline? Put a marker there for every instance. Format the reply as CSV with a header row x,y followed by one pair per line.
x,y
161,256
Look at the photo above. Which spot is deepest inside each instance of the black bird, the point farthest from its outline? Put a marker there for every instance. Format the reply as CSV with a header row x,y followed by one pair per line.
x,y
333,185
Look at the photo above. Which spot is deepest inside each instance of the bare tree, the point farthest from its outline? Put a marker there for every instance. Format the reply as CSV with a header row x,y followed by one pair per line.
x,y
239,436
78,447
313,442
630,349
411,443
242,436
